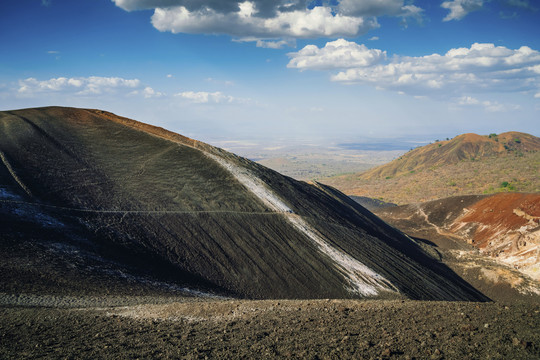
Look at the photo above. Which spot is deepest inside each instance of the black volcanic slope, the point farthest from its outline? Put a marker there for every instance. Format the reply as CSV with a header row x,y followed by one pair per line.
x,y
90,200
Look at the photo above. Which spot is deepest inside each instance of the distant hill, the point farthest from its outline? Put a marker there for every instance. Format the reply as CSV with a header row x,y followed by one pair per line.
x,y
96,203
466,164
461,148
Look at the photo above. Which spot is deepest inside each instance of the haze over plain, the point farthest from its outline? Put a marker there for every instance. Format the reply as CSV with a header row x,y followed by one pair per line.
x,y
258,71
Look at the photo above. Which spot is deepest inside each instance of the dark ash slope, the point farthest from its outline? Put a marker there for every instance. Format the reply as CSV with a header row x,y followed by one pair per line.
x,y
106,200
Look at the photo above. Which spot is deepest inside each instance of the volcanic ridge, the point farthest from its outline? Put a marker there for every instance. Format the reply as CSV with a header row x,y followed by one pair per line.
x,y
93,202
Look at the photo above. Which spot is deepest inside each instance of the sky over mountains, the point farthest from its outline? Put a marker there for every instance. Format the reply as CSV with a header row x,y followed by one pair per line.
x,y
309,71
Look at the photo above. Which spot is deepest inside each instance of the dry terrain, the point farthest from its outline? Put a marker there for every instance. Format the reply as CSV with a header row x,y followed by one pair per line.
x,y
321,163
466,165
86,194
493,241
297,329
123,240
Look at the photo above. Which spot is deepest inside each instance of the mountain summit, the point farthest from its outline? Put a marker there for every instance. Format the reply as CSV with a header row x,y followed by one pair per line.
x,y
86,192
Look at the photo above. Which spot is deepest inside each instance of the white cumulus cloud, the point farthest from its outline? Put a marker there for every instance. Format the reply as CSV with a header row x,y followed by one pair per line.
x,y
489,106
480,68
151,93
93,85
460,8
204,97
271,19
317,22
335,54
468,100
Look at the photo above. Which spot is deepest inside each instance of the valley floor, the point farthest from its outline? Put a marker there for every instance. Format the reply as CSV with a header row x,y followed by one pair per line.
x,y
187,328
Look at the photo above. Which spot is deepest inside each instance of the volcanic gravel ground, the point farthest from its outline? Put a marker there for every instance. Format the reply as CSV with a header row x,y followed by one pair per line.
x,y
307,329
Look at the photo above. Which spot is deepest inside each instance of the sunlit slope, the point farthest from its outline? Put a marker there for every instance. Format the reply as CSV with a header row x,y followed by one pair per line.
x,y
463,147
469,164
150,198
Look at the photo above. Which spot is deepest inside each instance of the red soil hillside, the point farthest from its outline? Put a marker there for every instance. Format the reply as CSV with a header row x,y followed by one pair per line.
x,y
497,215
504,226
507,227
463,147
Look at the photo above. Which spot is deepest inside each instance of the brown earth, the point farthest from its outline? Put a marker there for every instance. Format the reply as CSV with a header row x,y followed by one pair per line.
x,y
503,227
462,147
499,215
469,164
285,329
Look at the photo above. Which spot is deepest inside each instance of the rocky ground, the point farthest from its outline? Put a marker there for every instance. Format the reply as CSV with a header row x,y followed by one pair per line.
x,y
186,328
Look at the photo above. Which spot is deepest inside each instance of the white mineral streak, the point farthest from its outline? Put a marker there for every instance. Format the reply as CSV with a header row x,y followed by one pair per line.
x,y
362,280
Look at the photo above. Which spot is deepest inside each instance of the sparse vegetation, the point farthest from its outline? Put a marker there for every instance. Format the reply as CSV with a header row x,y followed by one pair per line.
x,y
481,177
506,186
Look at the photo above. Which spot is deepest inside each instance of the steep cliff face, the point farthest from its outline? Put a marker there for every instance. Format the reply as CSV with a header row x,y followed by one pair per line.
x,y
125,197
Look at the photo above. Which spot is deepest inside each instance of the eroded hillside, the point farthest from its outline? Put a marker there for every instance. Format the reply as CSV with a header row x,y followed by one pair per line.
x,y
503,227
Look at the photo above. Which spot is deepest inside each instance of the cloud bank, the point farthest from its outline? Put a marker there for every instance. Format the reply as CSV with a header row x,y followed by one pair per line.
x,y
267,19
461,8
93,85
96,86
204,97
480,68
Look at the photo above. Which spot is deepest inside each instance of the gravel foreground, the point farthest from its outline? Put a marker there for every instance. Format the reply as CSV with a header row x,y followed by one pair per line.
x,y
244,329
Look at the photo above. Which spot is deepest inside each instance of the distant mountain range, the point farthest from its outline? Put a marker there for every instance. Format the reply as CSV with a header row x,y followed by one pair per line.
x,y
91,202
466,164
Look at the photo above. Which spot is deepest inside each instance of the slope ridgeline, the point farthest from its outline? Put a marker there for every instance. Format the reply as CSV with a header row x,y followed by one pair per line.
x,y
89,191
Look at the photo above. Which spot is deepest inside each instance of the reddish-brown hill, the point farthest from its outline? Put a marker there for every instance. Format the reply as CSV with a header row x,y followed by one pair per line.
x,y
463,147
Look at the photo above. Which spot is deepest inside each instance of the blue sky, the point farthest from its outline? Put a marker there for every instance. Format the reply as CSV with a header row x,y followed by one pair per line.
x,y
276,71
